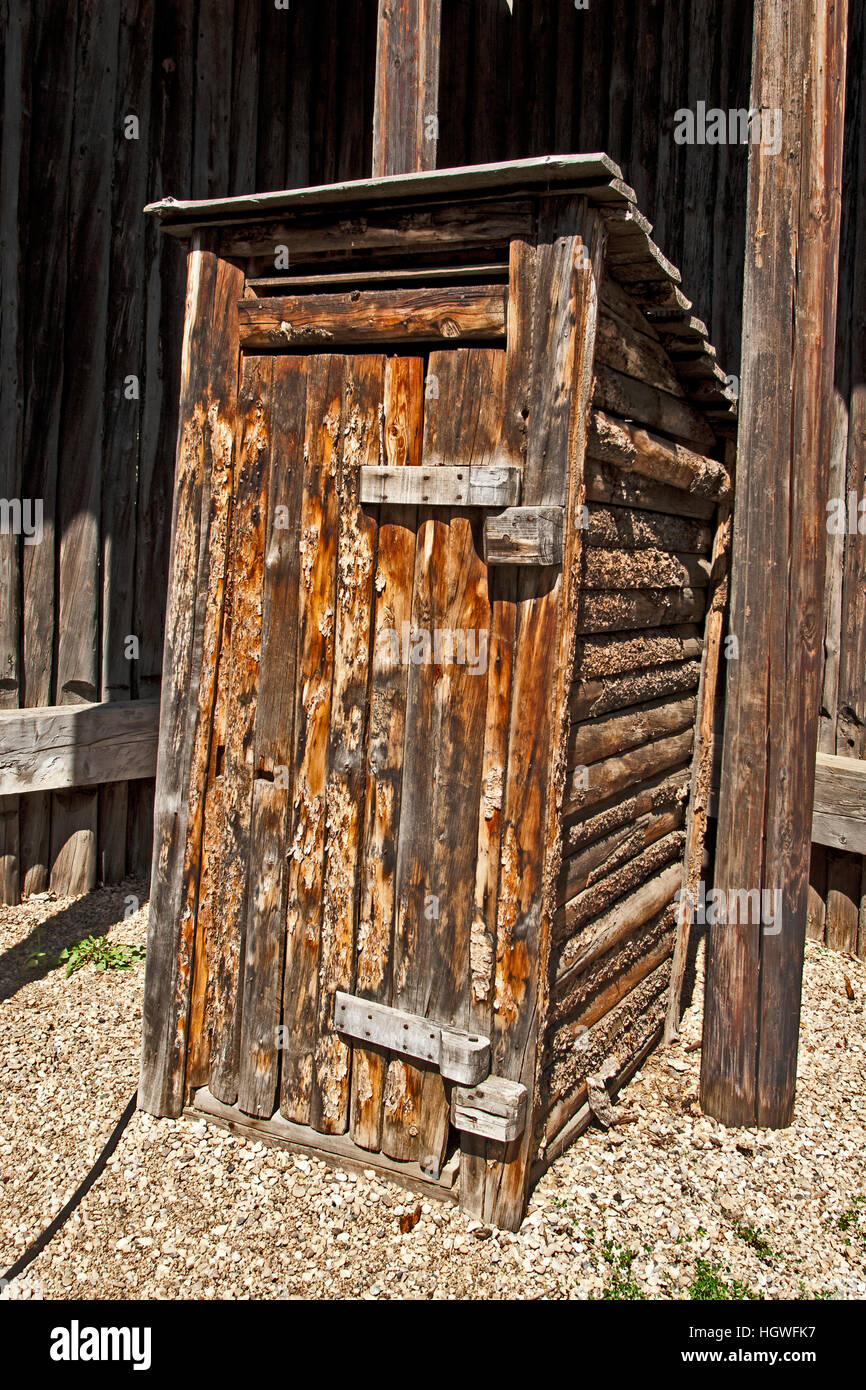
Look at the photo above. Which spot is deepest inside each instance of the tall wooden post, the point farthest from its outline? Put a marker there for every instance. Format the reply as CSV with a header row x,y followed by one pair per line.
x,y
754,968
405,117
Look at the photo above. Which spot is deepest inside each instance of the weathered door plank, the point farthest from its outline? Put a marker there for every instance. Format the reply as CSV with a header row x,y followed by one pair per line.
x,y
318,546
249,521
344,801
402,424
274,729
206,441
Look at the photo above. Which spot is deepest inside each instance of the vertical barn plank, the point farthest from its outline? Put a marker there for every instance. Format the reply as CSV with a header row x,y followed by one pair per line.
x,y
124,358
666,214
407,86
344,800
300,76
247,53
323,151
752,1008
212,126
205,443
272,754
13,202
273,123
246,563
318,547
45,289
74,813
402,424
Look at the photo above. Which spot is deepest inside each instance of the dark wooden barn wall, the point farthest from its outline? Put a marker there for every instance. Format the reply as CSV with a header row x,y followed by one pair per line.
x,y
232,96
546,77
229,97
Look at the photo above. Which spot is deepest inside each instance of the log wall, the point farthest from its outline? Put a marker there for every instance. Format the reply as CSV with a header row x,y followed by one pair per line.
x,y
645,580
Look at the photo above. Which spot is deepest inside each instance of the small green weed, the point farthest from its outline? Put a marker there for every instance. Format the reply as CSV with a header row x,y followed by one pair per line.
x,y
749,1235
708,1284
101,953
621,1283
854,1219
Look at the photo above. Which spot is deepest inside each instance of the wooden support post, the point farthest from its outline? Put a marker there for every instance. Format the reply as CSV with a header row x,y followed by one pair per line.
x,y
405,117
754,969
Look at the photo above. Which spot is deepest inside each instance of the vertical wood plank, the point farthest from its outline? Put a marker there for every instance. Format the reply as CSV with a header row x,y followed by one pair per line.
x,y
46,276
407,86
568,261
754,977
246,564
13,202
272,757
124,358
205,448
74,813
319,524
465,423
416,895
344,798
478,1158
402,425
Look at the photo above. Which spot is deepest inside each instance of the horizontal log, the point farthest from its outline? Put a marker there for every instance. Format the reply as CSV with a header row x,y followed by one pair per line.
x,y
661,791
641,450
77,745
603,779
445,485
573,1114
623,919
607,610
617,653
634,354
609,484
591,902
644,569
369,316
591,698
437,229
524,536
614,734
606,855
619,1035
619,528
620,979
651,407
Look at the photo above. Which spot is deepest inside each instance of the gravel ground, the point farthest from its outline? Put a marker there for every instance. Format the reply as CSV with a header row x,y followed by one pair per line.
x,y
665,1205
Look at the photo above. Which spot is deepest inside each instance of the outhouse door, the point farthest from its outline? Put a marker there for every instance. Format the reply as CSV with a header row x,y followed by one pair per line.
x,y
363,689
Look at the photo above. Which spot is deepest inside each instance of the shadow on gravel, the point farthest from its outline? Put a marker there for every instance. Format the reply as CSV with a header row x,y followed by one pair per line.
x,y
93,915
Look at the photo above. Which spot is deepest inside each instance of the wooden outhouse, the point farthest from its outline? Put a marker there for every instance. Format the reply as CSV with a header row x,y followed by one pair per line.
x,y
446,593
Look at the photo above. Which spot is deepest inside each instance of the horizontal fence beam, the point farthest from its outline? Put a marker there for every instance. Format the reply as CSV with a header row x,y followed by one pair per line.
x,y
86,745
77,745
838,805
